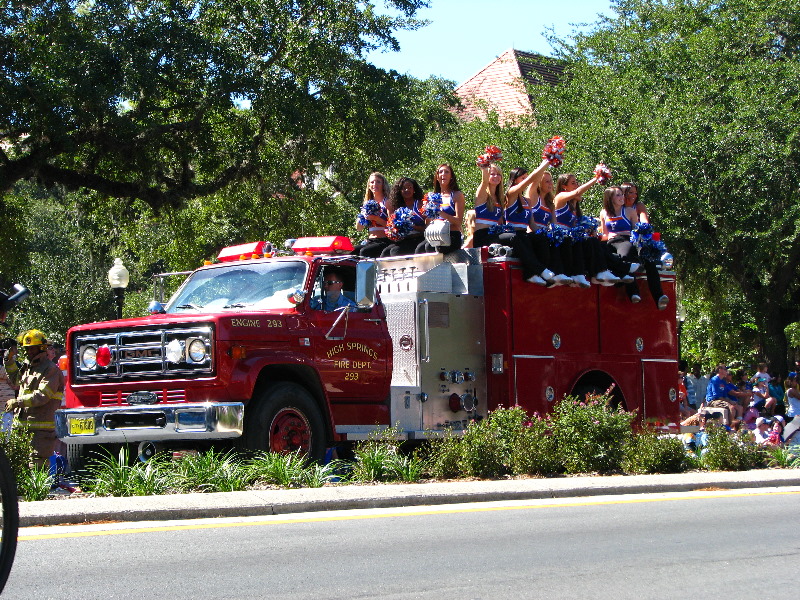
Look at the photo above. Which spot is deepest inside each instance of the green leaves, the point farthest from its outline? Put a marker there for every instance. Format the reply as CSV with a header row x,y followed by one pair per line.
x,y
138,99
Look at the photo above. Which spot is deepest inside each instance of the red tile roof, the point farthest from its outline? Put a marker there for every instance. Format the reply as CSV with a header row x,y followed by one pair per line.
x,y
500,85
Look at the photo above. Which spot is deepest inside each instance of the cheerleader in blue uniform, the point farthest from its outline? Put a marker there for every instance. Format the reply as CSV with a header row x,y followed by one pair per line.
x,y
374,217
406,193
617,221
631,192
531,223
451,209
489,209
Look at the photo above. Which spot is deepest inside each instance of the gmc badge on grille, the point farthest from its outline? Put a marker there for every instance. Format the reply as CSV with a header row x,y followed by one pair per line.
x,y
142,398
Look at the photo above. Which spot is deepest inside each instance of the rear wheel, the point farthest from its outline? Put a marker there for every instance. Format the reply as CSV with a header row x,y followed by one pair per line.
x,y
286,419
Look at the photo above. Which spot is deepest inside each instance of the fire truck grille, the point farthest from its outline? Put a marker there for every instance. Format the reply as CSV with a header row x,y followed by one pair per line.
x,y
159,396
147,354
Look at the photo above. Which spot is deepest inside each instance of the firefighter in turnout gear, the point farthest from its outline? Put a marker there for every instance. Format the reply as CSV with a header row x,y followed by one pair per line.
x,y
41,388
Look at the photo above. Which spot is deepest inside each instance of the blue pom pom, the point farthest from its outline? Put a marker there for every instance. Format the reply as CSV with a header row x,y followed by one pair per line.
x,y
373,208
557,235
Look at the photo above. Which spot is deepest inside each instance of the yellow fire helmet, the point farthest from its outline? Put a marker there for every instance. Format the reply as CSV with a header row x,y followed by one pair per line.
x,y
34,337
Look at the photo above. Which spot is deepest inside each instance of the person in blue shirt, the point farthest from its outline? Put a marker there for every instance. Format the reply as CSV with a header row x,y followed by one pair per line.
x,y
720,393
333,297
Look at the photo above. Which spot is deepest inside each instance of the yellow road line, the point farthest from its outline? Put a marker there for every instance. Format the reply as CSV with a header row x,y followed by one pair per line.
x,y
411,513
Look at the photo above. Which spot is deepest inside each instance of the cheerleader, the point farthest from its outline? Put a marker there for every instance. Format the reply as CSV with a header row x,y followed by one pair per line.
x,y
581,257
489,209
452,208
406,193
531,224
374,218
617,220
469,228
631,192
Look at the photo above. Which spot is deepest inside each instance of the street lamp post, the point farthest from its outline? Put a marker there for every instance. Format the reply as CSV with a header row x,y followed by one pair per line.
x,y
118,278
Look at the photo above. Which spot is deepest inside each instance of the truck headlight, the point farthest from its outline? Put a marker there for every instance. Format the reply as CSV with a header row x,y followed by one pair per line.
x,y
89,357
196,350
174,351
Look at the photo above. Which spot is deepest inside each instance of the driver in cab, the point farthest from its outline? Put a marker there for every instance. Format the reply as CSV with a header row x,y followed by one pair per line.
x,y
332,296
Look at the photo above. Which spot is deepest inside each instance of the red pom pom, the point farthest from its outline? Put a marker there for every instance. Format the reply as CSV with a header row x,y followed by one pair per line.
x,y
602,173
493,153
553,151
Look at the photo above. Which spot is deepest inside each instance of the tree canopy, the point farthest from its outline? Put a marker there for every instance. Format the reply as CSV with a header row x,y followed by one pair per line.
x,y
697,101
164,101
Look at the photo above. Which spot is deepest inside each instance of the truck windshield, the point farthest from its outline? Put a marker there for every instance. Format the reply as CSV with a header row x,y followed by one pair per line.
x,y
250,285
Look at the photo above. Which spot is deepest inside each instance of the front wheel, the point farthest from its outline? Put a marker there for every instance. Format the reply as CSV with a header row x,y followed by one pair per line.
x,y
284,419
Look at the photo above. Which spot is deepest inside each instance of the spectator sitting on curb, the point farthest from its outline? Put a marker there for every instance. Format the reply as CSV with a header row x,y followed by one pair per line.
x,y
762,399
776,433
720,394
761,374
697,443
761,432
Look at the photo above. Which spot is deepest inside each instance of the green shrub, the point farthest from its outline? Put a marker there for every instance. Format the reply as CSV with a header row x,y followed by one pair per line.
x,y
442,456
34,483
486,448
209,471
18,447
782,457
316,475
731,452
107,475
646,452
373,459
288,470
590,436
535,451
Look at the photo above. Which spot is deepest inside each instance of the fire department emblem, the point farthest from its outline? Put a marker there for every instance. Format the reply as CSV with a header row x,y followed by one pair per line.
x,y
672,394
549,393
639,344
556,341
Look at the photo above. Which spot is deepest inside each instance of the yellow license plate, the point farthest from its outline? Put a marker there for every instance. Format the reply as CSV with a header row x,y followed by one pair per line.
x,y
81,426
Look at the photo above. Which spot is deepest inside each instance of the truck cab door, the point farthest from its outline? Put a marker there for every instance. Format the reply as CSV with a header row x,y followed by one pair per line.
x,y
351,350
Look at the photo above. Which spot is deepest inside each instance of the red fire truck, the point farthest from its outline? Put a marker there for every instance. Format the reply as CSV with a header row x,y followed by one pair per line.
x,y
435,342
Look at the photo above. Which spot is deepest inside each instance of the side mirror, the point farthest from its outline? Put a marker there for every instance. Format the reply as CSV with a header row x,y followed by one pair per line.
x,y
366,272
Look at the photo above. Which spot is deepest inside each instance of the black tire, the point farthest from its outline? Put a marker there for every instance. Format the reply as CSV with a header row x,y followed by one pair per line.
x,y
9,527
285,418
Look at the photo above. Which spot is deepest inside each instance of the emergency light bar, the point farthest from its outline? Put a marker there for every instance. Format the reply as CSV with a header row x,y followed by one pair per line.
x,y
334,244
232,253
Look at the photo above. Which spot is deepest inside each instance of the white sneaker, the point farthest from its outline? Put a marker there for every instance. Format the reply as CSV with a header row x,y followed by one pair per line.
x,y
547,275
607,276
636,298
604,282
581,281
635,268
562,279
663,302
537,280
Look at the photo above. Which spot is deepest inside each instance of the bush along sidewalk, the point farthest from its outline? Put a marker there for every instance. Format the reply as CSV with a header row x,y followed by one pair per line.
x,y
579,436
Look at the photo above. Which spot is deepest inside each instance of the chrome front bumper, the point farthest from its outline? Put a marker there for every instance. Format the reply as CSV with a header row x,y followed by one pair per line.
x,y
158,422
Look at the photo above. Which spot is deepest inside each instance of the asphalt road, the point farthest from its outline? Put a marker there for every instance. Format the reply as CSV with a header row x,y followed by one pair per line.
x,y
695,544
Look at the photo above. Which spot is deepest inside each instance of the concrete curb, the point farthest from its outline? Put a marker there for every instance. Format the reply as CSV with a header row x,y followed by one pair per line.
x,y
280,502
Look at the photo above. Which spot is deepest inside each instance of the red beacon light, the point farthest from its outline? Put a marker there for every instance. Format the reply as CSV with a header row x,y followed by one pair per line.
x,y
241,252
333,244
